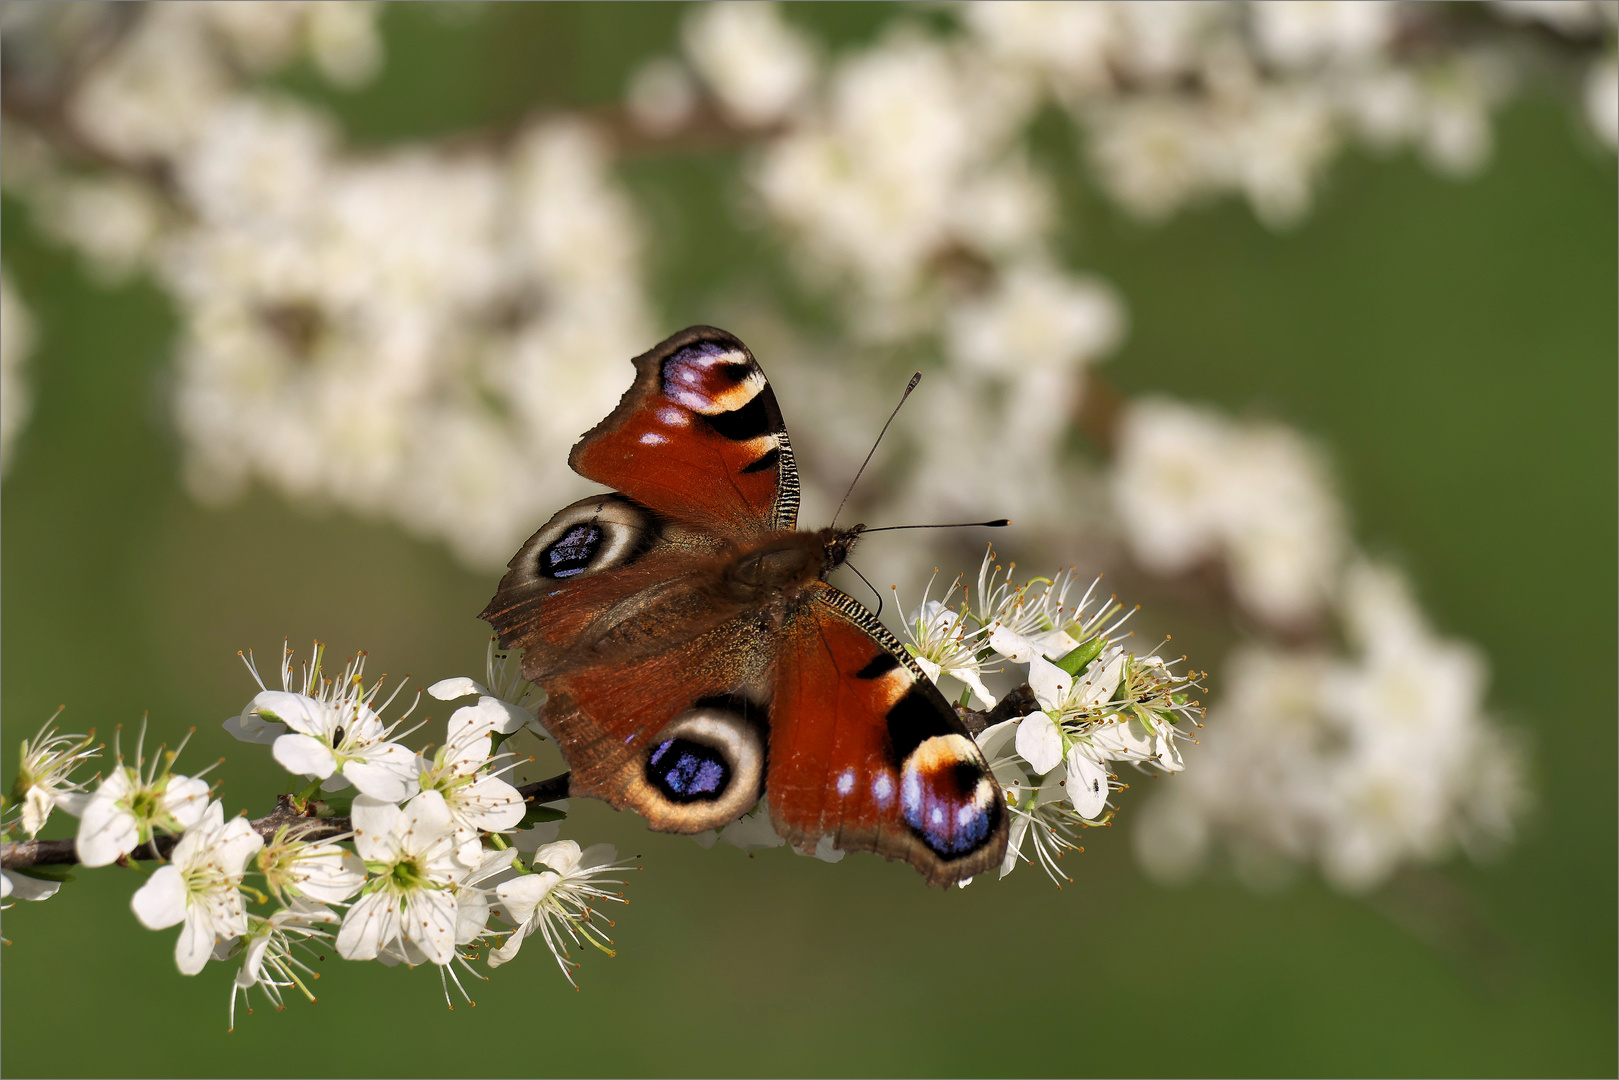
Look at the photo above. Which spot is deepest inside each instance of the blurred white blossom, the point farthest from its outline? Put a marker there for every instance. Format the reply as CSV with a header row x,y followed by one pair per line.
x,y
1359,763
1191,485
16,342
1602,100
661,96
757,65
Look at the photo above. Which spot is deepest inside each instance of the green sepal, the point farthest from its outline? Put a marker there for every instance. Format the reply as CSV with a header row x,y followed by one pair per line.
x,y
1078,658
42,873
342,806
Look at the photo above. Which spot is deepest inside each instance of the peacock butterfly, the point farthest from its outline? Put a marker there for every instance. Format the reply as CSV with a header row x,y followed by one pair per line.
x,y
695,658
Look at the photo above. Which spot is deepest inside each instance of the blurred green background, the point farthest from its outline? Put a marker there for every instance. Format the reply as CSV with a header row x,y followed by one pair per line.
x,y
1452,343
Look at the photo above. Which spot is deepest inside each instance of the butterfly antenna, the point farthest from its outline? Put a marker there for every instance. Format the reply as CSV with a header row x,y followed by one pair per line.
x,y
870,586
908,388
996,524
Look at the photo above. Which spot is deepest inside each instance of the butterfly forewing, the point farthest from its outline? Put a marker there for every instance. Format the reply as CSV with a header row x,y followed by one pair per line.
x,y
698,438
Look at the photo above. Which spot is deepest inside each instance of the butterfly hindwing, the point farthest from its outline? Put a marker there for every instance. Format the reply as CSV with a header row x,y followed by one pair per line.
x,y
698,438
865,750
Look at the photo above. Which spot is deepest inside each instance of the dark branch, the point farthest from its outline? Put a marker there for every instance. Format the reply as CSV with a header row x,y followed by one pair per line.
x,y
1019,701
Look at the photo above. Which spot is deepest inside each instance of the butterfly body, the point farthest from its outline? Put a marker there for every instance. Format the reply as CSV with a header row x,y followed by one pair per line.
x,y
695,657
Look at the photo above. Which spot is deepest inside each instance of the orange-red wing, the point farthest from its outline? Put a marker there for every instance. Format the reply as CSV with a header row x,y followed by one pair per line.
x,y
610,720
866,751
698,438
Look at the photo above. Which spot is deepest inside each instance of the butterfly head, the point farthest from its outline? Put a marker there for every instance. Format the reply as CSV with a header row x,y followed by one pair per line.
x,y
839,542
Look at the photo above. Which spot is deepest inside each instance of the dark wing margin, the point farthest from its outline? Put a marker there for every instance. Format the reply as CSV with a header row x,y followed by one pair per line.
x,y
699,438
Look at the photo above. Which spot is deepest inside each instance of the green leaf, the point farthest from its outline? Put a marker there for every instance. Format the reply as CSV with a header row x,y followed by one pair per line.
x,y
341,806
1075,661
536,815
42,873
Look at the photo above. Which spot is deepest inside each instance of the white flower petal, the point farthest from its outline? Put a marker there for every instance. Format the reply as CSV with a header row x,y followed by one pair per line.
x,y
329,874
1039,742
388,771
161,902
975,682
458,687
375,821
252,728
1015,647
1014,844
426,818
490,804
430,923
1049,682
370,922
469,722
1087,785
1054,643
993,739
195,946
236,844
1099,682
521,895
299,712
562,856
304,755
15,885
185,799
106,831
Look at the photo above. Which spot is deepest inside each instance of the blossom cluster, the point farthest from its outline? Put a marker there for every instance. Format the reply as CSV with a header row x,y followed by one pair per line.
x,y
1358,756
417,334
1358,760
435,844
1087,701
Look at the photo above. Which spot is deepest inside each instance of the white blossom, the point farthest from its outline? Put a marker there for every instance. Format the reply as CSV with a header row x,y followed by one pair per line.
x,y
1039,317
416,859
269,955
941,642
1190,485
508,704
755,62
297,870
1358,762
661,96
131,804
45,776
199,887
557,902
335,733
460,773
